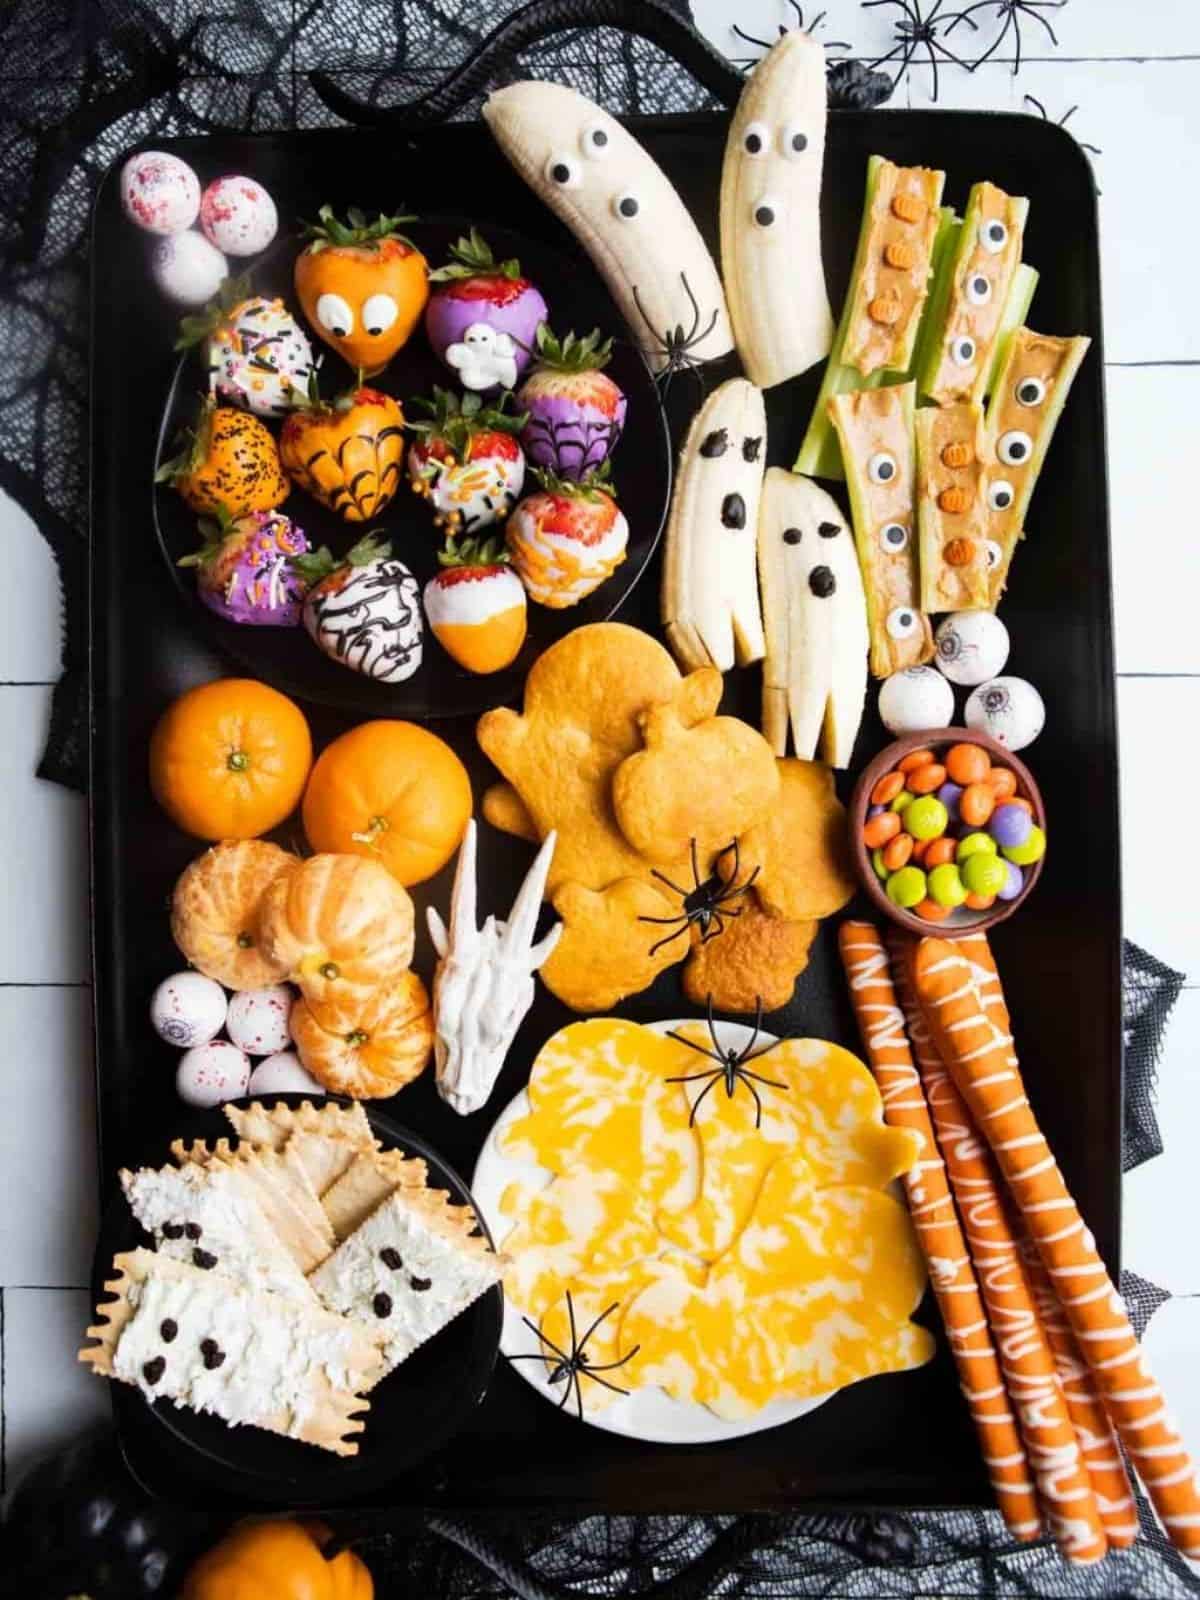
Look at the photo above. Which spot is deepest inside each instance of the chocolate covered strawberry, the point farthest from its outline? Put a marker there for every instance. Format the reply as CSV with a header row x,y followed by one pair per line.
x,y
364,611
229,459
476,605
466,460
576,411
483,316
567,537
245,570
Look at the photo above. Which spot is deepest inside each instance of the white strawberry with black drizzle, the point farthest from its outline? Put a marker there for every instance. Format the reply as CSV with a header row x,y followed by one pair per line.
x,y
365,611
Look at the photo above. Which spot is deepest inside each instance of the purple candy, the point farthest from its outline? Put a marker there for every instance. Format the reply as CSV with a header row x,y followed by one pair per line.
x,y
950,794
1013,884
1010,826
873,811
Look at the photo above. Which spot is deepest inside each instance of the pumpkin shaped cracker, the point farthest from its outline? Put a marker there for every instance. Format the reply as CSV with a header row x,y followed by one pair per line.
x,y
214,911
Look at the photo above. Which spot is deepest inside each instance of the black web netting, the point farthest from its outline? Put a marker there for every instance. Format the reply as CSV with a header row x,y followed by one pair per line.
x,y
81,81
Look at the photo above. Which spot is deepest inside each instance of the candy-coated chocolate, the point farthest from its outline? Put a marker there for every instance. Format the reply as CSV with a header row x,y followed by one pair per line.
x,y
913,760
921,849
873,811
897,851
888,787
927,779
938,851
1004,781
974,844
1010,826
930,911
977,804
950,794
877,862
1034,848
239,216
187,268
1014,884
967,763
926,817
906,888
903,799
983,874
880,829
946,885
211,1073
980,902
188,1009
159,192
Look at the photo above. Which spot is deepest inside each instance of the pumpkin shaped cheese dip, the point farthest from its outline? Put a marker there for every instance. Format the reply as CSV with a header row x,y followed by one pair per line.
x,y
277,1561
229,759
363,286
393,792
386,1045
215,912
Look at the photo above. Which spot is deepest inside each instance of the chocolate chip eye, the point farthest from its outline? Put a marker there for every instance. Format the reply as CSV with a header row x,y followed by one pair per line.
x,y
993,236
382,1305
733,511
391,1258
204,1259
828,530
881,468
168,1329
792,535
193,1230
211,1354
153,1370
172,1230
563,172
1000,494
756,138
822,582
419,1285
767,211
962,350
751,445
793,141
902,623
994,554
1031,392
979,289
626,206
1014,448
893,536
714,444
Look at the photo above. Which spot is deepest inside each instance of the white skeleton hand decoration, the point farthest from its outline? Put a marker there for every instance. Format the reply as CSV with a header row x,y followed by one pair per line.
x,y
484,980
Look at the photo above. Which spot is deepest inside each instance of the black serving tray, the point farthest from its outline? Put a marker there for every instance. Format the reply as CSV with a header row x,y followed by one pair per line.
x,y
893,1441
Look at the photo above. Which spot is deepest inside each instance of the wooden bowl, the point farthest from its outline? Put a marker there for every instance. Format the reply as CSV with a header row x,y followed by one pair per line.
x,y
961,921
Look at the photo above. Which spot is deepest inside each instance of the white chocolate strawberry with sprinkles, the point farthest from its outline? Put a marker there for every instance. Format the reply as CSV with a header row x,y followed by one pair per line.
x,y
476,606
567,538
466,460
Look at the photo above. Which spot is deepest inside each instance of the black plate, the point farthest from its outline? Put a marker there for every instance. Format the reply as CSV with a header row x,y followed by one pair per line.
x,y
903,1440
287,658
412,1412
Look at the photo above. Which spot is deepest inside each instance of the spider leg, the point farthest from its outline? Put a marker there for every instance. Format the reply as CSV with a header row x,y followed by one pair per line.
x,y
578,1394
538,1334
749,37
590,1372
637,300
771,1083
607,1312
693,1077
1033,100
757,1104
662,878
713,1078
716,1052
607,1366
1035,11
996,42
571,1320
700,1049
685,339
695,865
758,1016
669,938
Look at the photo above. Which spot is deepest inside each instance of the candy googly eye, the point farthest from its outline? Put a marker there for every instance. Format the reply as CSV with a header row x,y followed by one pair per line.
x,y
793,140
756,138
994,554
378,313
1000,494
626,205
902,622
563,172
1014,448
993,236
334,315
882,468
1030,392
767,211
893,536
595,140
979,289
962,350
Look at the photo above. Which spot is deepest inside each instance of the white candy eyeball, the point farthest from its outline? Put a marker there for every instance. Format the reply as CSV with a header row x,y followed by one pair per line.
x,y
187,1009
595,140
915,699
1010,709
563,172
893,536
211,1074
756,139
283,1074
258,1020
994,554
767,211
882,467
1030,392
972,646
793,140
334,315
993,236
378,313
902,622
979,289
1014,448
962,350
1000,494
626,205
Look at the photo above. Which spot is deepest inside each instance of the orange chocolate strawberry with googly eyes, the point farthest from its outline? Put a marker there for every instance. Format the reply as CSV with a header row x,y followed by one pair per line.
x,y
363,286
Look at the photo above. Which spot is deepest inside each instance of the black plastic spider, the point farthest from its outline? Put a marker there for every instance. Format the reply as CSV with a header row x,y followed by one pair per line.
x,y
677,344
913,30
1011,11
1062,121
765,44
707,903
731,1068
570,1368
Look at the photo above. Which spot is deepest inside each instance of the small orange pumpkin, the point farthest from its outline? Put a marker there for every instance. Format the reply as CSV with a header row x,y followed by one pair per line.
x,y
347,453
363,286
385,1046
392,791
277,1561
340,927
215,911
229,759
229,462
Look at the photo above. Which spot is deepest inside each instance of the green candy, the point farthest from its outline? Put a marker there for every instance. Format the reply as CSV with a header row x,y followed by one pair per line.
x,y
906,888
975,844
926,818
1034,848
946,886
902,799
984,874
877,862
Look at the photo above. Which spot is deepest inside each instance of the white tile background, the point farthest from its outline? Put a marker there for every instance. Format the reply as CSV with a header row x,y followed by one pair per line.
x,y
1133,70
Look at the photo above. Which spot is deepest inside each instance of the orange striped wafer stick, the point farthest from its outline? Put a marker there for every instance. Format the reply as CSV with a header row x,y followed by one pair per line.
x,y
1025,1355
1097,1440
978,1057
950,1272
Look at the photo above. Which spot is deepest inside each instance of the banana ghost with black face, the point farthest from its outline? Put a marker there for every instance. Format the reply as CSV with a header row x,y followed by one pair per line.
x,y
624,211
771,215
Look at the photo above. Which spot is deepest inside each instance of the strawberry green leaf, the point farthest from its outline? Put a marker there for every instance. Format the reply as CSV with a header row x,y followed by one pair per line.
x,y
328,233
471,257
474,552
572,353
594,485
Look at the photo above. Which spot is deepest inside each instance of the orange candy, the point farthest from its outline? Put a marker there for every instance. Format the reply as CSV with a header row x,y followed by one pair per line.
x,y
927,778
980,902
914,759
888,787
920,851
968,763
1003,783
897,851
939,851
878,830
930,911
976,804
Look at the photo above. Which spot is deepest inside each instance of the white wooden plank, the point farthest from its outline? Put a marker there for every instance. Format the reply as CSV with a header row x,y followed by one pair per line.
x,y
48,1396
1169,1186
1170,1343
29,601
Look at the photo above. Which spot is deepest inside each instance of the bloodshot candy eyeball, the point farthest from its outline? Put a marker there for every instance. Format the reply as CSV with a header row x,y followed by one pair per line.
x,y
283,1074
211,1074
187,269
258,1020
238,216
187,1009
972,646
1010,709
159,192
914,699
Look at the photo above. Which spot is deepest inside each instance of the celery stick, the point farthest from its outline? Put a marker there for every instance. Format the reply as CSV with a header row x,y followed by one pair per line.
x,y
1015,311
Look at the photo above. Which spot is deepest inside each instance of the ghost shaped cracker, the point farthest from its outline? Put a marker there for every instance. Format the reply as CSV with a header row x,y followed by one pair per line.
x,y
614,943
801,847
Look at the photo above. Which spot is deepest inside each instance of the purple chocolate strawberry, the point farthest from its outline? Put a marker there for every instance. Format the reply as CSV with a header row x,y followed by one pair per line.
x,y
483,316
244,569
576,411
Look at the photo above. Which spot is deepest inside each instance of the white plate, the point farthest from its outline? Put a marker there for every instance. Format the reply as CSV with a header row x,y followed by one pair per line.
x,y
649,1413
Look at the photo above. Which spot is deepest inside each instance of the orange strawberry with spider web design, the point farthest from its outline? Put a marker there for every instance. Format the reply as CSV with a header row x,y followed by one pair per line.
x,y
346,452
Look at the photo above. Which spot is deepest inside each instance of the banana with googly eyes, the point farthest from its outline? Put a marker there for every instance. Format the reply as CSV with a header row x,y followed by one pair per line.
x,y
710,583
626,214
815,617
770,214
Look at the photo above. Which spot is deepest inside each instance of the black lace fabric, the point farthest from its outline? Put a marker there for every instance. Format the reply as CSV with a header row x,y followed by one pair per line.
x,y
82,81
